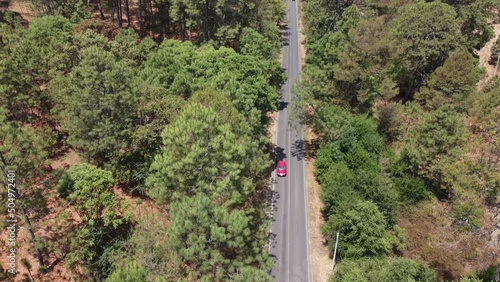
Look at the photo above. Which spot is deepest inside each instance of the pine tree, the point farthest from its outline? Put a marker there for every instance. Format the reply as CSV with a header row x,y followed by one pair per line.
x,y
213,242
201,154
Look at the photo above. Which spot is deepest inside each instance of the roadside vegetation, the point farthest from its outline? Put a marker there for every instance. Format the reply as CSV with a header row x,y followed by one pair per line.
x,y
408,155
168,118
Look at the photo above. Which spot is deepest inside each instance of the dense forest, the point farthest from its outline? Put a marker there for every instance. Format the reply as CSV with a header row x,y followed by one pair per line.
x,y
408,155
137,131
167,119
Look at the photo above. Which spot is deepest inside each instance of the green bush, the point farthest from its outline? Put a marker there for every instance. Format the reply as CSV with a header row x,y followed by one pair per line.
x,y
337,188
412,190
363,231
386,270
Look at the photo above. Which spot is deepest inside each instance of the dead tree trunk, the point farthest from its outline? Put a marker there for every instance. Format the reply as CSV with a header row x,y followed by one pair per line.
x,y
183,29
205,27
99,6
167,32
121,13
127,13
139,18
33,238
118,13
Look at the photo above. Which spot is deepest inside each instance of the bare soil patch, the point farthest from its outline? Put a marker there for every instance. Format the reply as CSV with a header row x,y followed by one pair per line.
x,y
433,238
484,56
71,158
302,36
21,8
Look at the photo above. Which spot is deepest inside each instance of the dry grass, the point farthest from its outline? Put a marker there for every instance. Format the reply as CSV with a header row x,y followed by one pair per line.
x,y
320,260
69,159
432,238
484,56
302,36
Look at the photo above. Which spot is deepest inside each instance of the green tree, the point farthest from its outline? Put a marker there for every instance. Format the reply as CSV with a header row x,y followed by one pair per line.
x,y
22,151
251,83
68,56
484,109
329,121
155,111
131,272
358,159
348,132
409,270
70,9
427,32
167,67
433,143
25,63
378,189
201,154
99,106
212,242
412,190
318,82
125,46
474,17
337,191
146,250
89,190
451,83
364,71
363,231
390,119
257,45
389,269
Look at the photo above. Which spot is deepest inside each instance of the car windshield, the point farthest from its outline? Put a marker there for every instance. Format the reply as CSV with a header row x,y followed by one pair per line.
x,y
281,167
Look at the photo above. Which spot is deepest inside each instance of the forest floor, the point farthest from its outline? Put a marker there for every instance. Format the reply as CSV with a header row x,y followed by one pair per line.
x,y
21,8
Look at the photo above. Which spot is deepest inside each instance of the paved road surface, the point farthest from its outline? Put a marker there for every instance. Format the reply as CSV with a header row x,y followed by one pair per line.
x,y
289,241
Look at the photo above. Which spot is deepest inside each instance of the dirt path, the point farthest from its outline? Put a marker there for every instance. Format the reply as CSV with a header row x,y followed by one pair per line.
x,y
21,8
484,56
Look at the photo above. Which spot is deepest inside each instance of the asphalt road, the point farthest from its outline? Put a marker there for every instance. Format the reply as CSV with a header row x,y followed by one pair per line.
x,y
289,240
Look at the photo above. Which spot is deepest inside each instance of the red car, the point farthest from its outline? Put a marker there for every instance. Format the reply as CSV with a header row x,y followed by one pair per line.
x,y
281,170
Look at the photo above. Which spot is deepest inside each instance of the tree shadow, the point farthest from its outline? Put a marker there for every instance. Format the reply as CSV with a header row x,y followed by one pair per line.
x,y
301,149
298,150
279,154
57,261
285,33
311,148
282,105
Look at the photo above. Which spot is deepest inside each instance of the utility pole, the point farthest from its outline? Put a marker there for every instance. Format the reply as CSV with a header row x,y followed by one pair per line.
x,y
335,252
496,67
